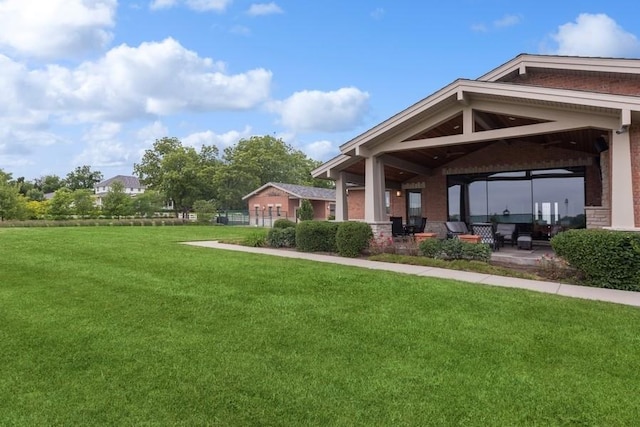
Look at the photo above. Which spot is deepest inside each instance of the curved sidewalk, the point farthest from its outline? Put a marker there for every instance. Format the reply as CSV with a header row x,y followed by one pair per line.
x,y
584,292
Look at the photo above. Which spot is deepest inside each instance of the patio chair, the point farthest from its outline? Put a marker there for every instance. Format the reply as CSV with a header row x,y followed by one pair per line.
x,y
423,223
456,228
487,234
507,233
396,226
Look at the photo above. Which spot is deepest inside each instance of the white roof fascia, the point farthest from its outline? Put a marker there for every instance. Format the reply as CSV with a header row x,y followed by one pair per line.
x,y
560,96
426,103
602,65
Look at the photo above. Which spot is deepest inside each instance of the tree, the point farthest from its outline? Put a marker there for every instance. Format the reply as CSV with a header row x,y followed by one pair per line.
x,y
147,203
205,210
179,173
37,209
60,206
305,211
11,202
83,178
49,183
83,202
254,162
116,202
35,195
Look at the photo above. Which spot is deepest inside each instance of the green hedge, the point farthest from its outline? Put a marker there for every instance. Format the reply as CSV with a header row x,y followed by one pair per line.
x,y
455,249
282,237
284,223
607,259
97,222
352,238
316,236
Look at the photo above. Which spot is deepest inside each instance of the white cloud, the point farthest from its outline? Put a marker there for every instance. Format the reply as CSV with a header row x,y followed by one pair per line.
x,y
321,150
221,141
197,5
479,28
259,9
56,28
507,21
151,132
377,13
595,35
240,30
103,148
335,111
162,4
130,82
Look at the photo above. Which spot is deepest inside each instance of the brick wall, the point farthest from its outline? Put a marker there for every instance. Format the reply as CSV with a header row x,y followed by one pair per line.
x,y
355,202
620,84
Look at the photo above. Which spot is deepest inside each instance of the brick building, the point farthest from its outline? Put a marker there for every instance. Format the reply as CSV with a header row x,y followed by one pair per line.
x,y
277,200
546,142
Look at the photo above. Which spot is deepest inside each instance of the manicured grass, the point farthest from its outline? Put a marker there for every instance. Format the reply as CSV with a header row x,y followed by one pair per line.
x,y
123,326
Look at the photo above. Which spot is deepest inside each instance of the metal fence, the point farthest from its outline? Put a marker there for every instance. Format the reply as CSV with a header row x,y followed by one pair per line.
x,y
233,218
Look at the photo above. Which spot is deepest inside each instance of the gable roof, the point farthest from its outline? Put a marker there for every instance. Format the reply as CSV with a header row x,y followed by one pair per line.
x,y
493,85
520,63
298,191
126,180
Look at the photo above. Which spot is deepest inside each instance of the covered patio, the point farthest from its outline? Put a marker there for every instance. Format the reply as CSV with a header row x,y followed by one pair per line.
x,y
543,142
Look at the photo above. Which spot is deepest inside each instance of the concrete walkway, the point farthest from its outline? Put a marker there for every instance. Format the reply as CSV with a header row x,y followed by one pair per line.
x,y
600,294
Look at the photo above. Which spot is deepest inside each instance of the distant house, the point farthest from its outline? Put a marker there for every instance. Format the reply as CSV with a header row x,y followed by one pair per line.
x,y
132,187
277,200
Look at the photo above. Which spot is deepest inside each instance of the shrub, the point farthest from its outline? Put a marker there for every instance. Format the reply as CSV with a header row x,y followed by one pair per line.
x,y
352,238
316,236
256,239
283,223
381,244
431,248
455,249
305,212
282,237
608,259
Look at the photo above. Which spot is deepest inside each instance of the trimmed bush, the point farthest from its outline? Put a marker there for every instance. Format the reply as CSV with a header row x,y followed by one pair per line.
x,y
352,238
284,223
316,236
282,237
607,259
455,249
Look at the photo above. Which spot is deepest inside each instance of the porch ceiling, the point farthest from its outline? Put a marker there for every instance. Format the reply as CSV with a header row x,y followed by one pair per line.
x,y
581,141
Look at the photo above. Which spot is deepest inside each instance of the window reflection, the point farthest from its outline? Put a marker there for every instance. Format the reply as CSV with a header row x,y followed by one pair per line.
x,y
542,202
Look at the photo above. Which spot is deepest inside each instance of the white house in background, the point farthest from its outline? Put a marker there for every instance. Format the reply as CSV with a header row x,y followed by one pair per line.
x,y
132,187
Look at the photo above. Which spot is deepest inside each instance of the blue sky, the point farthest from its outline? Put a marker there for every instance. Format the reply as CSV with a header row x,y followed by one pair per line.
x,y
97,81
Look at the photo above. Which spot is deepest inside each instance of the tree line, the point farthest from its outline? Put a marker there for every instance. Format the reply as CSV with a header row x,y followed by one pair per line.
x,y
204,180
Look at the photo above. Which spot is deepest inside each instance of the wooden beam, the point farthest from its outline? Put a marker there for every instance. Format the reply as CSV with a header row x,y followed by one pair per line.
x,y
405,165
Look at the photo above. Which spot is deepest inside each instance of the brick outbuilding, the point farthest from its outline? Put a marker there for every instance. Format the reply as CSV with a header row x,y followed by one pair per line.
x,y
276,200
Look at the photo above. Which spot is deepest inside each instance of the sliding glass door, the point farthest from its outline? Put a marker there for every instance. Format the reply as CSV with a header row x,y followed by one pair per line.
x,y
542,202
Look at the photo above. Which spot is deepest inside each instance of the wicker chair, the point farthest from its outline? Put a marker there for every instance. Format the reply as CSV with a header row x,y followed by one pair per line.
x,y
487,234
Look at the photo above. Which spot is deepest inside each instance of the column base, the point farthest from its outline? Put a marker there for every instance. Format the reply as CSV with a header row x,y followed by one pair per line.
x,y
381,229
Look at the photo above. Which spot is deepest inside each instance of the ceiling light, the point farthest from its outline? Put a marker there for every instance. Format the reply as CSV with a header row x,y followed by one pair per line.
x,y
456,127
512,118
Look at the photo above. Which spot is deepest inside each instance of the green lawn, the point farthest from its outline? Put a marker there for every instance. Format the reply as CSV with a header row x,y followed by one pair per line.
x,y
123,326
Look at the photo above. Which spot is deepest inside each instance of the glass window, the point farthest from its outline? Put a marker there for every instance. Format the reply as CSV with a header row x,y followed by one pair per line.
x,y
478,202
387,202
414,207
454,202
